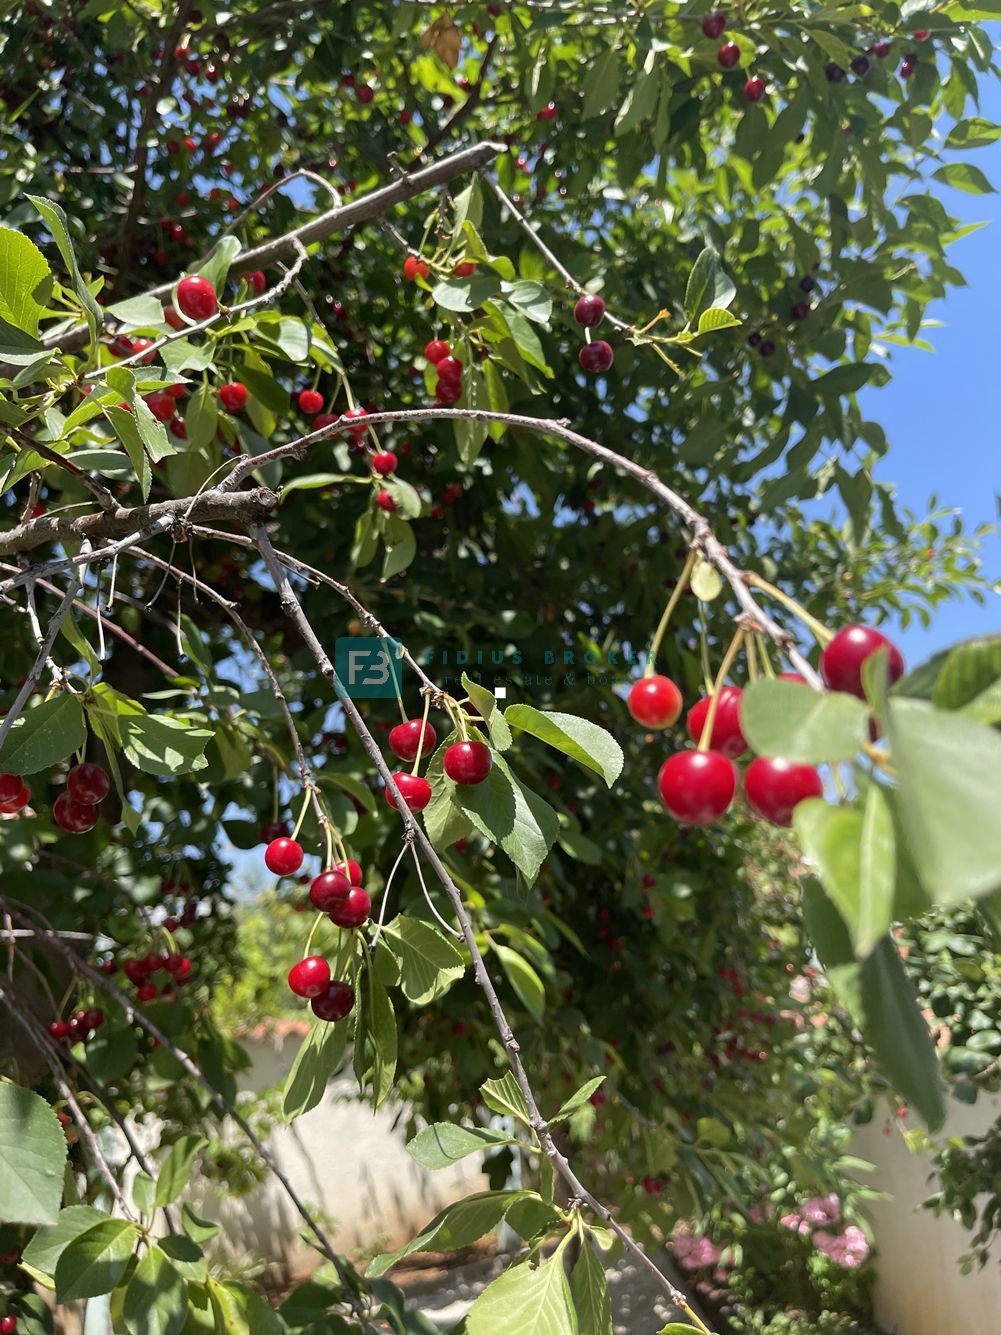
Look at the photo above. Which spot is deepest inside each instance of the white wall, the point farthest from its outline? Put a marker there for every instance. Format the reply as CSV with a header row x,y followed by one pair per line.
x,y
920,1289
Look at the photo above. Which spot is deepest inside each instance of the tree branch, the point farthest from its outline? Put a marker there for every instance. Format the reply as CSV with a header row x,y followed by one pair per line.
x,y
293,610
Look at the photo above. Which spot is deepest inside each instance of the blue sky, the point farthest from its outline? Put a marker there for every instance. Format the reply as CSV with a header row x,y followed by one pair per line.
x,y
942,410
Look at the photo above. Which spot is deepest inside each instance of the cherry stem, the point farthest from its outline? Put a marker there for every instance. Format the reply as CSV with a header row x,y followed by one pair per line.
x,y
396,687
302,814
312,932
724,668
672,603
817,628
420,739
766,658
752,658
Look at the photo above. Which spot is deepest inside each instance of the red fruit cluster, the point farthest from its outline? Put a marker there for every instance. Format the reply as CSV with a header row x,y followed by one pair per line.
x,y
140,972
14,794
75,810
81,1026
414,268
448,386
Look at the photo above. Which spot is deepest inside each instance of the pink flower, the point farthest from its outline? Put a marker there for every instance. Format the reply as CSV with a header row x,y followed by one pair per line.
x,y
798,1225
848,1249
822,1209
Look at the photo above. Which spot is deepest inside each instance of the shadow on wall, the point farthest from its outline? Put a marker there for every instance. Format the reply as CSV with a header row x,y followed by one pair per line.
x,y
349,1163
920,1288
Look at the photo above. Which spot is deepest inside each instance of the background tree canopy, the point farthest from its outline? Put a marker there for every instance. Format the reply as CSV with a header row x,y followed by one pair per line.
x,y
232,456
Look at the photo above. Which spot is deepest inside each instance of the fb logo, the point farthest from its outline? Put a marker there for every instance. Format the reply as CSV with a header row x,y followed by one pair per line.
x,y
369,666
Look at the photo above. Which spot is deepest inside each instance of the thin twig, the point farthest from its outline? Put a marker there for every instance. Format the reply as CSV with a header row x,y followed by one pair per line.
x,y
293,610
41,658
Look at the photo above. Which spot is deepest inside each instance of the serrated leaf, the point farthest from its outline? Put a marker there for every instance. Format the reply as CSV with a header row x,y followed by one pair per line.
x,y
48,1244
489,710
589,1290
580,739
441,1144
94,1262
156,1299
853,854
176,1168
44,735
159,744
454,1227
511,815
25,280
320,1054
526,982
525,1301
55,220
123,423
577,1100
429,962
137,313
504,1096
795,722
715,318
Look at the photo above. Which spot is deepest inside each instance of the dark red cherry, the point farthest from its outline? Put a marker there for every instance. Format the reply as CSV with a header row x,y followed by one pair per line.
x,y
59,1029
10,786
72,816
596,357
16,803
328,889
336,1002
467,762
697,787
283,856
713,25
589,310
88,783
754,89
405,739
436,350
416,791
310,977
728,55
353,911
655,702
842,659
727,736
775,787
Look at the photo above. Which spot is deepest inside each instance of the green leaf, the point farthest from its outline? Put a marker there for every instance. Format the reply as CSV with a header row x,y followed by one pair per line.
x,y
853,853
201,417
375,1040
973,133
20,348
708,286
827,931
442,1144
949,793
112,1053
95,1261
320,1054
714,319
580,739
969,669
520,821
526,982
577,1100
640,101
964,176
55,220
456,1226
525,1301
43,736
486,705
25,280
159,744
843,380
48,1244
589,1290
897,1033
465,294
530,298
176,1168
242,1311
217,264
429,962
407,498
505,1097
797,723
124,425
152,433
401,547
156,1299
601,83
137,313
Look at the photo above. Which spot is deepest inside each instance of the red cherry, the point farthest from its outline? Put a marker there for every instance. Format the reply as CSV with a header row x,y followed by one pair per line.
x,y
697,787
436,350
589,310
324,419
414,268
450,369
353,911
358,431
728,55
596,357
140,345
405,739
147,992
921,34
160,404
336,1002
727,736
384,463
385,501
273,829
774,787
88,783
464,269
8,1325
73,817
233,396
179,428
178,390
448,391
416,791
468,762
94,1017
283,856
882,49
754,89
713,25
196,297
655,702
842,659
800,310
135,971
908,65
108,966
310,401
328,889
310,977
351,869
59,1029
364,93
181,969
10,787
257,281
